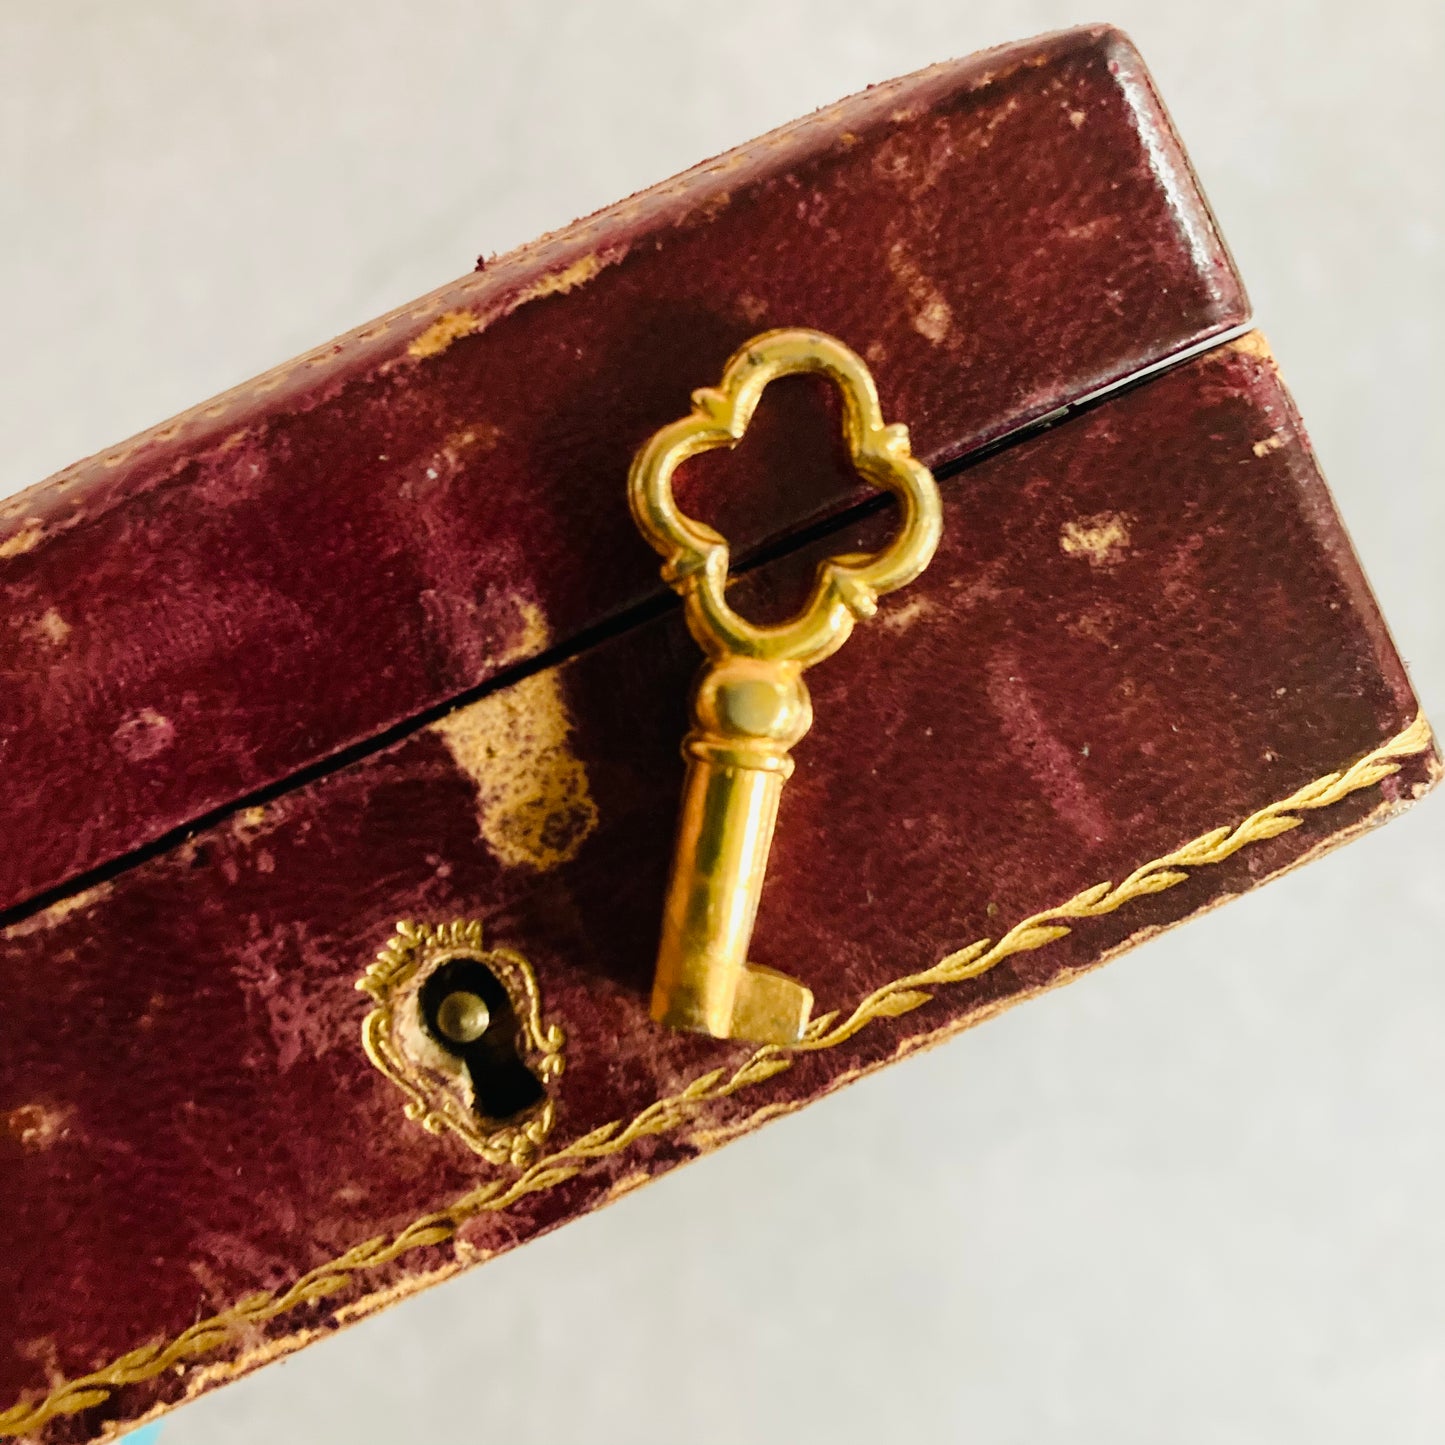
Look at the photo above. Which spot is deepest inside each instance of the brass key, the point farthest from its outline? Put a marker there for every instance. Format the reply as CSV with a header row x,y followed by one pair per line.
x,y
750,705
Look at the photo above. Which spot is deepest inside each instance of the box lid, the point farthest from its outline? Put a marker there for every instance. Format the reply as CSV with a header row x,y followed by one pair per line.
x,y
359,538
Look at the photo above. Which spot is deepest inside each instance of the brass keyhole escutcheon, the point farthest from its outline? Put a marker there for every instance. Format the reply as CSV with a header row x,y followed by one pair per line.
x,y
458,1028
750,705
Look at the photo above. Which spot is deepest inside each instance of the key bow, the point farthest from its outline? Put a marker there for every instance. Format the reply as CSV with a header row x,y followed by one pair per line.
x,y
695,557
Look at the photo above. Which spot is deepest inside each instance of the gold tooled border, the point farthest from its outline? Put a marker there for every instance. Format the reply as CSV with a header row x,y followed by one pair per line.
x,y
829,1030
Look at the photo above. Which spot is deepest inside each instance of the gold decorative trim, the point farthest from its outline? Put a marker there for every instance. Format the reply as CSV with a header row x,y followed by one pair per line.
x,y
892,1000
433,1096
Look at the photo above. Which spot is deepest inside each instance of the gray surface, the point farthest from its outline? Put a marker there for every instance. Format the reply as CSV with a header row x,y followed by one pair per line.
x,y
1196,1198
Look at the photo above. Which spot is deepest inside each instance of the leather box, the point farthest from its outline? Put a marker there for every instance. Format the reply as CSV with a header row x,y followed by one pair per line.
x,y
362,672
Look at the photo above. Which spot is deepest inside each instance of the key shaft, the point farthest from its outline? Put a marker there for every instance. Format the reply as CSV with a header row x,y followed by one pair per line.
x,y
746,715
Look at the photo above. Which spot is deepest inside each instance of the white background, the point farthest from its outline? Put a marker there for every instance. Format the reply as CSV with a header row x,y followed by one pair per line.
x,y
1196,1198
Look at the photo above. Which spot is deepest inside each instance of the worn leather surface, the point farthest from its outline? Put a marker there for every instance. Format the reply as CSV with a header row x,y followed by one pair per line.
x,y
370,530
1141,625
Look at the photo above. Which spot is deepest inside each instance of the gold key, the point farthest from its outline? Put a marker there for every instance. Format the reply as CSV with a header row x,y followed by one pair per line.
x,y
750,705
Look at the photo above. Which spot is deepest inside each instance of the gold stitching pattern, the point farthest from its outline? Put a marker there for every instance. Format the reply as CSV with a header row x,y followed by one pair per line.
x,y
905,994
891,1001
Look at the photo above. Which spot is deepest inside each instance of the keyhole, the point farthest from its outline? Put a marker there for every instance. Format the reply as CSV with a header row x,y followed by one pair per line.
x,y
467,1011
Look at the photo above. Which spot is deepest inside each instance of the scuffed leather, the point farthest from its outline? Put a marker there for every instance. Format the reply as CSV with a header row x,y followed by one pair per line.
x,y
1141,625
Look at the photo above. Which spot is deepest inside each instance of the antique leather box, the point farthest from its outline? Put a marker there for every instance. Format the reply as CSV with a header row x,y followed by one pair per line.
x,y
362,673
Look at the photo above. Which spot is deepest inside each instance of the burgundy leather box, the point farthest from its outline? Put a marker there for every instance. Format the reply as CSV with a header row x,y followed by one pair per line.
x,y
362,672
